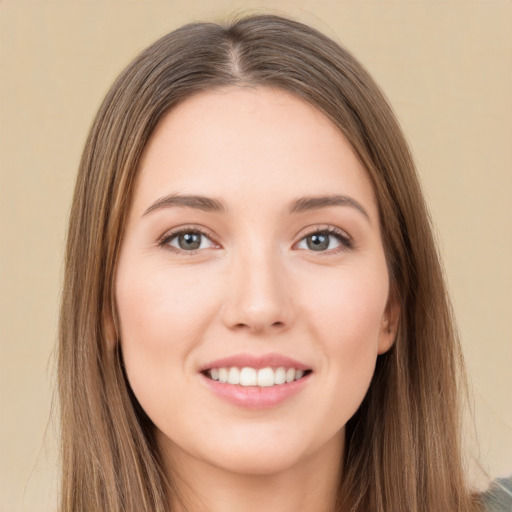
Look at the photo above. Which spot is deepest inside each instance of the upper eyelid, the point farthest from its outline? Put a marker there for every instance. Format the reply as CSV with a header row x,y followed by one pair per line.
x,y
173,232
323,228
319,228
345,240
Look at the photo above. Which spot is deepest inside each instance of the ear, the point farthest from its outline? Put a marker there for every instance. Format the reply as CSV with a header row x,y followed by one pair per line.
x,y
389,326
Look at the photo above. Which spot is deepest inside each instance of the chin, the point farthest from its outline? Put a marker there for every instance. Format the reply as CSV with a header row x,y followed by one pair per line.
x,y
259,462
267,452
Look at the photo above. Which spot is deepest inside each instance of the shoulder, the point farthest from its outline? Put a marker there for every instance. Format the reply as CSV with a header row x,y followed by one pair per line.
x,y
498,498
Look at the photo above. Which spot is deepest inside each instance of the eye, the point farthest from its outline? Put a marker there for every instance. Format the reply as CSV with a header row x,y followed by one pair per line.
x,y
188,240
325,240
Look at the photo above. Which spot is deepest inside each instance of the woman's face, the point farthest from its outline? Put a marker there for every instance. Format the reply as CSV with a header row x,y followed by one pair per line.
x,y
252,253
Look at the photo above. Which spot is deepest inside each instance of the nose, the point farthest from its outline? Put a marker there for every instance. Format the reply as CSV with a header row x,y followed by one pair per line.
x,y
258,298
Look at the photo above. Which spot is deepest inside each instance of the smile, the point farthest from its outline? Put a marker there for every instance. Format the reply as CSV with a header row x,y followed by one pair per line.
x,y
248,376
256,381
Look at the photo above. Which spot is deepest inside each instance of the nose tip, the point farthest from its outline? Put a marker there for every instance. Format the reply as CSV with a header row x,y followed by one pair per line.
x,y
258,299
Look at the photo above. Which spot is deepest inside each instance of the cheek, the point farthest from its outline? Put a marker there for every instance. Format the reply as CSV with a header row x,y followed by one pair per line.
x,y
161,308
347,306
162,314
346,313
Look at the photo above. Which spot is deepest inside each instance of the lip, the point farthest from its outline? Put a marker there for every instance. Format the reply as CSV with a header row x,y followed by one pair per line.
x,y
273,360
255,397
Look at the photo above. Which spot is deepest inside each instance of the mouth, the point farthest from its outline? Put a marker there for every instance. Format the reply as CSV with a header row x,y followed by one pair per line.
x,y
256,377
256,381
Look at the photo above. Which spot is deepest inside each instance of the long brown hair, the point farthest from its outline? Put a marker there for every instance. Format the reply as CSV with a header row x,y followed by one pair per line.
x,y
403,444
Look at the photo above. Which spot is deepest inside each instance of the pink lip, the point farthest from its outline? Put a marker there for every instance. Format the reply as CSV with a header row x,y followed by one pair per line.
x,y
264,361
254,397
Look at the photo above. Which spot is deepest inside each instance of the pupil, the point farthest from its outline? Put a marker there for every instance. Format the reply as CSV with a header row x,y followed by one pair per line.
x,y
189,241
318,242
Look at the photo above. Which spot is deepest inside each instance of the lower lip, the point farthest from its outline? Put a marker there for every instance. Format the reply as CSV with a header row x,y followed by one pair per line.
x,y
255,397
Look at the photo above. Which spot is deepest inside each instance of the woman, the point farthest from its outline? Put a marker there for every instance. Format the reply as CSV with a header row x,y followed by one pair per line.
x,y
254,313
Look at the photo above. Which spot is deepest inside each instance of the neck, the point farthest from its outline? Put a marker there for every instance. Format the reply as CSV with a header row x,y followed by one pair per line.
x,y
309,485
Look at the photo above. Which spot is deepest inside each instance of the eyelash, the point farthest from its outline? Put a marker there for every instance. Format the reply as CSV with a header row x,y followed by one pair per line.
x,y
345,241
166,239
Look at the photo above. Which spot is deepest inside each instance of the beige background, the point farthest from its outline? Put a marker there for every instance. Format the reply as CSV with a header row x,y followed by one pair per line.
x,y
447,69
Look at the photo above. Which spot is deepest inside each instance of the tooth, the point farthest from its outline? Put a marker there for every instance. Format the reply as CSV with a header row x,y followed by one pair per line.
x,y
248,377
280,376
266,377
290,375
223,374
234,375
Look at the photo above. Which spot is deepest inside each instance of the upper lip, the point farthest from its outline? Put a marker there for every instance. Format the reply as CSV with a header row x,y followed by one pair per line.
x,y
253,361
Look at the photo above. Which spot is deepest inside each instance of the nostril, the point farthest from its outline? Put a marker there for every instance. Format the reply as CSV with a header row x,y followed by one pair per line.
x,y
242,325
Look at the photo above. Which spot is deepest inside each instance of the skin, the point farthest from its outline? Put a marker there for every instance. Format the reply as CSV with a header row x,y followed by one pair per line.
x,y
254,286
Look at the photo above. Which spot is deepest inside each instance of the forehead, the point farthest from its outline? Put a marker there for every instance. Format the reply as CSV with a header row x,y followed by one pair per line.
x,y
249,144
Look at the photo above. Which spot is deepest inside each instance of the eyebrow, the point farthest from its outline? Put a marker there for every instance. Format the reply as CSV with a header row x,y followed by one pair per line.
x,y
203,203
316,202
208,204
